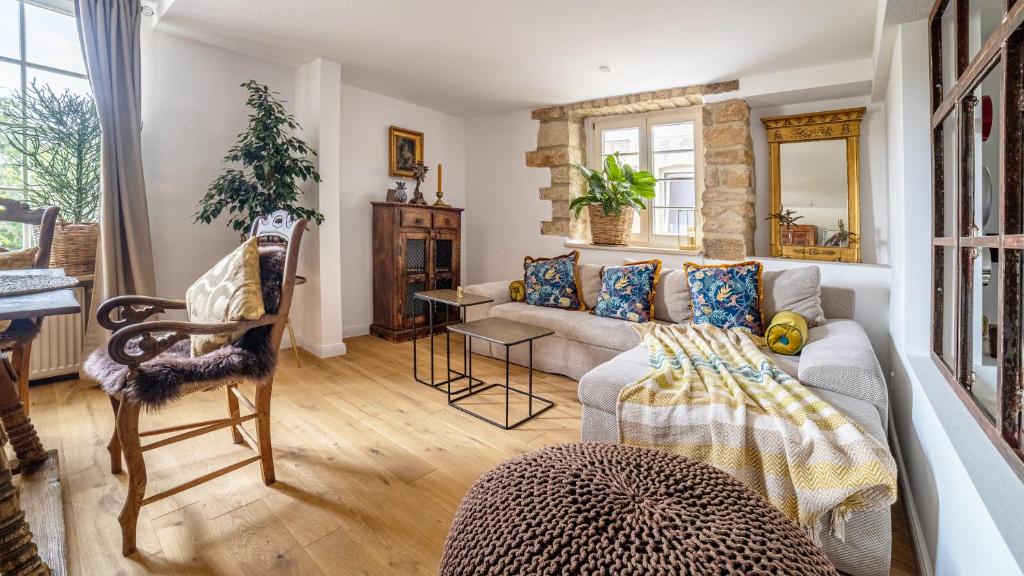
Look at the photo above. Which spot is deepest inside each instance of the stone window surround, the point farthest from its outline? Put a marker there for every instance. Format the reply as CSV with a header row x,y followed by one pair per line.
x,y
727,204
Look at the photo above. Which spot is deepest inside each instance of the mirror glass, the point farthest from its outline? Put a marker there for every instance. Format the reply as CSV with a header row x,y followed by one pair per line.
x,y
814,187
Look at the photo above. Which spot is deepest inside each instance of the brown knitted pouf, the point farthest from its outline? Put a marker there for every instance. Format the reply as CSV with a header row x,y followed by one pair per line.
x,y
620,510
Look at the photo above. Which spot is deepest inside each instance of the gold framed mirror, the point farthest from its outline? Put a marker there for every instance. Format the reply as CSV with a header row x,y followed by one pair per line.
x,y
814,172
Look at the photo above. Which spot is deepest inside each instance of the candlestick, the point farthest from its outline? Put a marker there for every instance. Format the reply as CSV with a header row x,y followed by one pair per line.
x,y
440,194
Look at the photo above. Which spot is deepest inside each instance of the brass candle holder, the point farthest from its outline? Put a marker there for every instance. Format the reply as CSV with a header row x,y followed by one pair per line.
x,y
440,194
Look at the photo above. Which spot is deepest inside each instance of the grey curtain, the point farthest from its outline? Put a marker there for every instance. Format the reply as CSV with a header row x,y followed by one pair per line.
x,y
110,41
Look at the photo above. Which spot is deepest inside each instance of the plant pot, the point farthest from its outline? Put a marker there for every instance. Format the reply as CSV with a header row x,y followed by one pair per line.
x,y
610,230
74,248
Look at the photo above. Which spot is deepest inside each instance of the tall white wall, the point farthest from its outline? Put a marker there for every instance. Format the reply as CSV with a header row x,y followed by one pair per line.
x,y
967,501
192,111
317,313
366,117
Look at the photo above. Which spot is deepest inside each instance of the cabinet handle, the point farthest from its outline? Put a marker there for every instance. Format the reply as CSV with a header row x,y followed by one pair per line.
x,y
418,221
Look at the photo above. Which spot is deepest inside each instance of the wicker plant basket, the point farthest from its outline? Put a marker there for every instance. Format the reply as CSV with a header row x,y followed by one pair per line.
x,y
74,248
610,230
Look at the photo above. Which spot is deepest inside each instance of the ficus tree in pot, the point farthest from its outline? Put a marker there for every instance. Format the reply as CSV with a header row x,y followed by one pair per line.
x,y
611,196
266,165
59,136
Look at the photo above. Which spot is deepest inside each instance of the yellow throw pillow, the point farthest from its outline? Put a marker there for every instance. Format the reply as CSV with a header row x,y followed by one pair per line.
x,y
229,291
787,333
517,291
18,259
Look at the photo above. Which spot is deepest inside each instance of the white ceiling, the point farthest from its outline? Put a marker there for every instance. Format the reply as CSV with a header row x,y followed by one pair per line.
x,y
476,57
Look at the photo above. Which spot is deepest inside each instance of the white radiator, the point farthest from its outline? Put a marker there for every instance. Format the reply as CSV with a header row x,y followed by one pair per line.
x,y
57,351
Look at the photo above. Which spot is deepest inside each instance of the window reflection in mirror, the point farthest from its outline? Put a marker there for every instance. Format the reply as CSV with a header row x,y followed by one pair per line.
x,y
814,186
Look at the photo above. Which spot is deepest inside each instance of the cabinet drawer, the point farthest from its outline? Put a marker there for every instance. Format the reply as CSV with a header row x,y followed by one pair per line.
x,y
444,220
413,218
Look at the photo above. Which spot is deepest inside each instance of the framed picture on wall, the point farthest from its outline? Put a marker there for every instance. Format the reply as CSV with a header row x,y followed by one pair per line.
x,y
405,149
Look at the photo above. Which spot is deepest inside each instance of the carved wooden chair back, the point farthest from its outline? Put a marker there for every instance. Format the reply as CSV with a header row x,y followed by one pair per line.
x,y
45,218
282,226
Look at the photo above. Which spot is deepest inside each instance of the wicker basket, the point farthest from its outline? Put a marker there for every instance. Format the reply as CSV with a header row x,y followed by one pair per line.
x,y
610,230
74,248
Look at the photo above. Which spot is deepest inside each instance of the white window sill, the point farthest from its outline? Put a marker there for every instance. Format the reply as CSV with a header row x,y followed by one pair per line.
x,y
581,245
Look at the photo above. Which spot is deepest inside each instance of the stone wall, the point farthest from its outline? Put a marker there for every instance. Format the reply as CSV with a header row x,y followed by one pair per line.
x,y
727,205
728,220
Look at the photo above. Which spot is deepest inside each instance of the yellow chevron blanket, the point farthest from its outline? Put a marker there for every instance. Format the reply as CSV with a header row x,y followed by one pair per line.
x,y
712,395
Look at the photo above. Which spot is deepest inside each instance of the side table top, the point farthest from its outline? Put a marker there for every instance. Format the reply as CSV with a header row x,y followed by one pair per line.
x,y
501,331
448,296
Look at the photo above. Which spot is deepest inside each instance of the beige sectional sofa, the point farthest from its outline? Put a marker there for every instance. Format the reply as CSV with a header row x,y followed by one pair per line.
x,y
604,354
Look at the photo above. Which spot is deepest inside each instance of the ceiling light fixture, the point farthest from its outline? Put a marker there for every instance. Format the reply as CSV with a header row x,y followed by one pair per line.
x,y
605,68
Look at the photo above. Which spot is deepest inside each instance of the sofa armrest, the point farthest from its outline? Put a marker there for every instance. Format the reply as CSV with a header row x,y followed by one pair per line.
x,y
839,358
496,291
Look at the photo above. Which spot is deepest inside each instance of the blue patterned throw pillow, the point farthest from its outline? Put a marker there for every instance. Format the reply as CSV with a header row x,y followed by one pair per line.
x,y
552,282
627,292
727,295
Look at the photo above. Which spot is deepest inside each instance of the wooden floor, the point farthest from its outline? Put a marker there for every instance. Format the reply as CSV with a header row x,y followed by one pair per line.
x,y
370,469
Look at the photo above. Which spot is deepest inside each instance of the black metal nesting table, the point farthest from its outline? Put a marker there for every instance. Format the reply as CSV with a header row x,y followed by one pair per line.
x,y
505,333
449,298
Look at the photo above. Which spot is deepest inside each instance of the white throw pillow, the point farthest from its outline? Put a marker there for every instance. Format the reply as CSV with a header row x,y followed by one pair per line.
x,y
795,289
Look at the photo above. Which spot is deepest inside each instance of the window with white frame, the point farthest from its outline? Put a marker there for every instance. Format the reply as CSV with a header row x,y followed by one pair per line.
x,y
38,44
668,145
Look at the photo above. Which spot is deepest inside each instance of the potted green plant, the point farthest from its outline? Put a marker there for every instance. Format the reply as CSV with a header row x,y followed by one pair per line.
x,y
612,194
272,160
59,136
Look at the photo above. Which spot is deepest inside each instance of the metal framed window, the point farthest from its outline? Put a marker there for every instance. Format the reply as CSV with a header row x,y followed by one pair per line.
x,y
669,145
38,43
977,85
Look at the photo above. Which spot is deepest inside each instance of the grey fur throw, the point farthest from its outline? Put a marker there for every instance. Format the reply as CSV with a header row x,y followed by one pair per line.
x,y
170,375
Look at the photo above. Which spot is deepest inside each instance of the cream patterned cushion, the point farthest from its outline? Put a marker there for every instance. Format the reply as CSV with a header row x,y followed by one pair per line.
x,y
794,289
18,259
230,291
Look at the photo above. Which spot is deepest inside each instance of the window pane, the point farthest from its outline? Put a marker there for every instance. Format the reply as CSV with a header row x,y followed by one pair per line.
x,y
985,15
625,141
11,233
676,193
677,222
666,137
984,316
945,284
987,144
949,195
672,164
10,162
10,81
948,31
637,215
59,82
51,37
10,38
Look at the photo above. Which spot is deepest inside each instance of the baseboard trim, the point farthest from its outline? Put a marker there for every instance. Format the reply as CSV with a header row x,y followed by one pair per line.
x,y
924,562
328,351
354,331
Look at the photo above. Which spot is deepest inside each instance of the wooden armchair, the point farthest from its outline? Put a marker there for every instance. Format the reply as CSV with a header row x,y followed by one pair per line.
x,y
18,340
149,363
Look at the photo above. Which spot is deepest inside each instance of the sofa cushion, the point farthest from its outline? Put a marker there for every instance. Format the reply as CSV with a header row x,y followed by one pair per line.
x,y
727,295
552,282
590,282
794,289
572,325
671,296
627,291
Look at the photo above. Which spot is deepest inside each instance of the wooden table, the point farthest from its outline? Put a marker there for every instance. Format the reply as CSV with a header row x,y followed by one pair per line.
x,y
39,469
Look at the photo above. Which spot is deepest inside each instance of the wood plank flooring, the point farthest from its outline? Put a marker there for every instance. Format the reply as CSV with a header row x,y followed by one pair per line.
x,y
370,469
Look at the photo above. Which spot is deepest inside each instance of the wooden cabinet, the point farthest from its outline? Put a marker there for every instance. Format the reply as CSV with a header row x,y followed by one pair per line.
x,y
415,248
